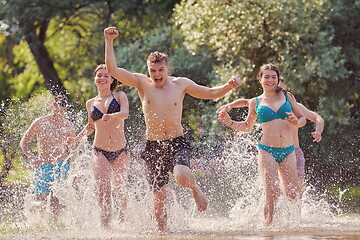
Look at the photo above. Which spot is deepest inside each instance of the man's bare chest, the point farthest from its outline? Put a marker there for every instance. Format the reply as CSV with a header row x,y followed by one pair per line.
x,y
51,133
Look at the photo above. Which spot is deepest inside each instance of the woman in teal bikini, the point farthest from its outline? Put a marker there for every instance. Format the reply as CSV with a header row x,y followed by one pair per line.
x,y
277,112
106,116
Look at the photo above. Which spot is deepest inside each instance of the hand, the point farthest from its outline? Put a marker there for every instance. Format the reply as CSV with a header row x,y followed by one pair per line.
x,y
106,117
234,81
317,136
111,33
223,108
292,118
224,117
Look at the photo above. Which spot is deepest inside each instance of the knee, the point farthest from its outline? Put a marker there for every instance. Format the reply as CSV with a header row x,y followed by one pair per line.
x,y
183,174
273,197
182,178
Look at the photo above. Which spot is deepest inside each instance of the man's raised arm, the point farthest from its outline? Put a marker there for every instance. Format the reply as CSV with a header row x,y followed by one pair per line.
x,y
124,76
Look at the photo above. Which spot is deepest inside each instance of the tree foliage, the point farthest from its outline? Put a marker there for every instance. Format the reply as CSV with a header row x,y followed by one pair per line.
x,y
314,43
246,34
84,19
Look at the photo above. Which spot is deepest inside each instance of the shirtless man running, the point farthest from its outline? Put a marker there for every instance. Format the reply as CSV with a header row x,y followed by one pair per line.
x,y
162,102
51,133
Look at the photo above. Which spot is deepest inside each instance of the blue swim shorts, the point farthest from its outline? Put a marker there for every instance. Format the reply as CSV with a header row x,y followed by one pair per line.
x,y
47,173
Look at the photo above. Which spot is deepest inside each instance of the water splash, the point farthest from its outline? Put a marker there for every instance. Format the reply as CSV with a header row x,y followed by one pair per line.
x,y
231,182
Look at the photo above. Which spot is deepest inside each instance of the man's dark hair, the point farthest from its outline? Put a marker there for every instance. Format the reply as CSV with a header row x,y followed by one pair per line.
x,y
156,57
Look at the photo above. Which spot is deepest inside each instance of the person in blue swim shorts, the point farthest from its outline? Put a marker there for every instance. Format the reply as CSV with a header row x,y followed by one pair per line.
x,y
51,133
277,112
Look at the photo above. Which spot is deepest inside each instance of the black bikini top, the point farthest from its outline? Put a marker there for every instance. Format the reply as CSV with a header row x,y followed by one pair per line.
x,y
114,107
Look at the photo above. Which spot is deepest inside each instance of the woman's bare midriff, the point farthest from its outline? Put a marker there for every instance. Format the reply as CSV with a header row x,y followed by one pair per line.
x,y
277,133
108,135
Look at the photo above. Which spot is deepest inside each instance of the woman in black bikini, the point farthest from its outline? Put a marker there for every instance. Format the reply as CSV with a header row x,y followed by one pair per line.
x,y
106,116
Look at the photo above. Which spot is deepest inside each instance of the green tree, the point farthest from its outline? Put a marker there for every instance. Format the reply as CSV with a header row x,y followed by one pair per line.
x,y
30,20
346,23
246,34
314,43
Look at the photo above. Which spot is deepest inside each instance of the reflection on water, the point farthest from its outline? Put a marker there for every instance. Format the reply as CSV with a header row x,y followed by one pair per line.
x,y
231,183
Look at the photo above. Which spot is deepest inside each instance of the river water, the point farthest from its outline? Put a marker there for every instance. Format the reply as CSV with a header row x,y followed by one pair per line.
x,y
230,182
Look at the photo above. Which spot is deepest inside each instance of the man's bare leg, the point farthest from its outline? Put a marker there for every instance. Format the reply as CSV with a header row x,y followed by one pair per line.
x,y
184,176
160,209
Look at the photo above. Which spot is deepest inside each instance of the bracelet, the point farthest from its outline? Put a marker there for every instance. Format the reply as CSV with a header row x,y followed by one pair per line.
x,y
232,122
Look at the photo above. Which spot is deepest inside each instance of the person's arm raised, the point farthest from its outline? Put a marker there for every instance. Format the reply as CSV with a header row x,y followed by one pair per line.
x,y
203,92
124,76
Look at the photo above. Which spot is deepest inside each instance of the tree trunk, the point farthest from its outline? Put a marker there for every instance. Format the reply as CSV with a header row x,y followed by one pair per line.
x,y
45,63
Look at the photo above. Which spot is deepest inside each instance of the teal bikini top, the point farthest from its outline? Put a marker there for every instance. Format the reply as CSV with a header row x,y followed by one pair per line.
x,y
266,114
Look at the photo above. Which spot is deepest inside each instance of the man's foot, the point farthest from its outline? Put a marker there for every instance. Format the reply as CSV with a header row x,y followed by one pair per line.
x,y
200,199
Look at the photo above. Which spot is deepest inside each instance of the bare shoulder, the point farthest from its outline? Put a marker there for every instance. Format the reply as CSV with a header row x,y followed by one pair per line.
x,y
121,97
36,124
41,119
142,78
252,103
290,96
182,80
119,94
90,102
37,121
